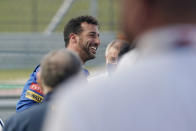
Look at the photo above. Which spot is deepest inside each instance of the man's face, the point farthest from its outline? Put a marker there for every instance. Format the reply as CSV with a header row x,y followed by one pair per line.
x,y
112,57
89,41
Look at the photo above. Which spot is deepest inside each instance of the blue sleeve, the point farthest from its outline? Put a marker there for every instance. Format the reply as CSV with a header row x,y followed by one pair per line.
x,y
31,94
85,72
1,123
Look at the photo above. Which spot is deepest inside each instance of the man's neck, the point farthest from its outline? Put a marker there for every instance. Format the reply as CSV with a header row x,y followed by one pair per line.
x,y
76,50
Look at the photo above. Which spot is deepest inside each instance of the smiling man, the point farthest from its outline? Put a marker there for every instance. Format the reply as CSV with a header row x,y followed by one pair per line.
x,y
81,35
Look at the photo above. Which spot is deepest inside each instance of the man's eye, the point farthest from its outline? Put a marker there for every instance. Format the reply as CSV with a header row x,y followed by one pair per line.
x,y
92,35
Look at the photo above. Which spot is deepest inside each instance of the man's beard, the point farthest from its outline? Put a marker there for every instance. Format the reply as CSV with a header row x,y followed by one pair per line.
x,y
84,46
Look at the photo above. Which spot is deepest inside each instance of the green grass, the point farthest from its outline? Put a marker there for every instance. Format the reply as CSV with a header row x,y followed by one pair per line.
x,y
11,86
78,8
18,16
108,15
14,75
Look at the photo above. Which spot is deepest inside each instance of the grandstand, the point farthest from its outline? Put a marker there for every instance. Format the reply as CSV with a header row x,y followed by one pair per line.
x,y
23,43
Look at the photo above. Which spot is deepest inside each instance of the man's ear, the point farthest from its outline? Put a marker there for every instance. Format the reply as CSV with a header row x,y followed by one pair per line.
x,y
73,38
38,75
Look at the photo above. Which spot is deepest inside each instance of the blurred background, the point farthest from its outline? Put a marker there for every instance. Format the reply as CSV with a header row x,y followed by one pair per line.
x,y
31,28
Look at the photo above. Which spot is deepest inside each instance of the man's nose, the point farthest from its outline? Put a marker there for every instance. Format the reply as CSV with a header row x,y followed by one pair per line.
x,y
97,41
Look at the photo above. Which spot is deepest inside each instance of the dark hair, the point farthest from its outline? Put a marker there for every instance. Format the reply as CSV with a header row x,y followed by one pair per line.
x,y
74,26
124,49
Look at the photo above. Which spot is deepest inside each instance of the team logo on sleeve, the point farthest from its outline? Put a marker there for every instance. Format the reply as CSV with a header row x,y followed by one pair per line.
x,y
34,96
35,87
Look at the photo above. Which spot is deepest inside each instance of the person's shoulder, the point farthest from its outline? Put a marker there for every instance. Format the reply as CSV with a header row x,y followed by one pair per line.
x,y
98,77
26,118
128,60
36,109
33,111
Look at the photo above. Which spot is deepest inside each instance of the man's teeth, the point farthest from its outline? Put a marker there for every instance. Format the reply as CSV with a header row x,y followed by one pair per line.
x,y
94,48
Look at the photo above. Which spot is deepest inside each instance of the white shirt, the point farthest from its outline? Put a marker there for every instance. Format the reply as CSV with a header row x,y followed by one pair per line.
x,y
158,94
128,60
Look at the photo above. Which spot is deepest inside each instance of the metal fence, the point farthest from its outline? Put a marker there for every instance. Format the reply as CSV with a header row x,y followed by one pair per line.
x,y
9,95
7,106
26,50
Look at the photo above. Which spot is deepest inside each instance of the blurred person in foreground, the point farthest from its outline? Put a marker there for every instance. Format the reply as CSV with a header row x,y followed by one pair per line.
x,y
56,67
81,35
158,93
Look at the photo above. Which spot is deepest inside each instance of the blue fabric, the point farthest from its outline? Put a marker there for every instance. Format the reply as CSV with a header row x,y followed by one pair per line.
x,y
110,68
1,123
24,102
31,119
85,72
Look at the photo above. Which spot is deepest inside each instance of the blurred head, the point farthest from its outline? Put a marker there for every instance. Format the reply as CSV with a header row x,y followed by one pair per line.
x,y
122,36
57,67
139,16
114,51
81,35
